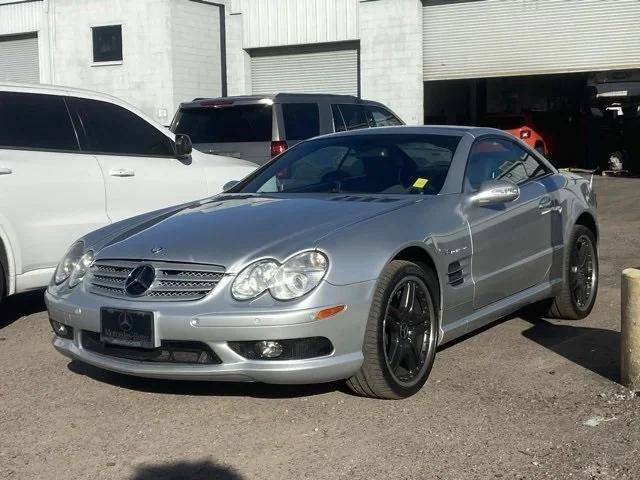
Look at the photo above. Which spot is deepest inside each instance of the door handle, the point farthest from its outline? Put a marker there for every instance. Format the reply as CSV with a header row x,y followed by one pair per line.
x,y
122,172
5,171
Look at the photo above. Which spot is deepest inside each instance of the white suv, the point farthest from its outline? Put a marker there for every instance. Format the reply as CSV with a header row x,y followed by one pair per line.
x,y
72,161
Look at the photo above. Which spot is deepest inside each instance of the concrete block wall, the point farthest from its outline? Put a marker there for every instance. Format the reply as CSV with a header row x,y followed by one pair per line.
x,y
195,50
144,78
391,56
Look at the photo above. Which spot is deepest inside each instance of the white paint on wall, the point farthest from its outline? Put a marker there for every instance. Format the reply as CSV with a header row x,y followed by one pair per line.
x,y
391,56
195,50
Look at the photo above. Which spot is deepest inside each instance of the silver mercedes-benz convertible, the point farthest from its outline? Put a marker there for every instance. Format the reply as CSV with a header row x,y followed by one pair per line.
x,y
350,256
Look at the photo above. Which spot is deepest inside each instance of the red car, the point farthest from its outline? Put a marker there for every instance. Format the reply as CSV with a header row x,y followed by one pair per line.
x,y
521,125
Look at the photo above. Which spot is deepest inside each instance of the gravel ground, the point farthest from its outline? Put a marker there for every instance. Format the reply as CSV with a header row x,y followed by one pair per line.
x,y
525,398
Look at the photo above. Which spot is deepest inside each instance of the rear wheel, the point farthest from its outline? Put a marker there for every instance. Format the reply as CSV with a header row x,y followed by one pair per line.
x,y
401,335
581,271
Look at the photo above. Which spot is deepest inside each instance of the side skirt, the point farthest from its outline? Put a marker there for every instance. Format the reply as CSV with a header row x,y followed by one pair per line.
x,y
497,310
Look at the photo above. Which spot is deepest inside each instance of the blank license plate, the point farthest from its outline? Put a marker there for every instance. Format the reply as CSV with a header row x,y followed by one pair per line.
x,y
130,328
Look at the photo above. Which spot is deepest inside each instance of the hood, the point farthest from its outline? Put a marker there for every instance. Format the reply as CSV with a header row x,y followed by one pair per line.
x,y
230,230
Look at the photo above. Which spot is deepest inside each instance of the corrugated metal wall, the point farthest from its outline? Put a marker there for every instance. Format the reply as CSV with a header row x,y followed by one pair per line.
x,y
308,69
19,60
21,17
269,23
494,38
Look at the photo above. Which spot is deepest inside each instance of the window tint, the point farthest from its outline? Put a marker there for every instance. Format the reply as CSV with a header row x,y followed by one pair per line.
x,y
107,43
112,129
501,159
354,116
383,117
35,121
240,123
301,120
338,122
366,164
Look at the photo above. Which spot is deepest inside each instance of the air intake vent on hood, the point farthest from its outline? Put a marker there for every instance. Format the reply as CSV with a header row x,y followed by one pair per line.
x,y
356,198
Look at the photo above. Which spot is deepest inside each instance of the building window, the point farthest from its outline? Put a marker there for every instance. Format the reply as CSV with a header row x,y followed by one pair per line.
x,y
107,43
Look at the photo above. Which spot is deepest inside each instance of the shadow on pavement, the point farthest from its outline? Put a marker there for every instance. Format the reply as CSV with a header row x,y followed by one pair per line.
x,y
200,470
21,305
185,387
595,349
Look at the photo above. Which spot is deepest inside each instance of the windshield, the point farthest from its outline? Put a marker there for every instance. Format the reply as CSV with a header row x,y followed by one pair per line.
x,y
506,122
241,123
373,164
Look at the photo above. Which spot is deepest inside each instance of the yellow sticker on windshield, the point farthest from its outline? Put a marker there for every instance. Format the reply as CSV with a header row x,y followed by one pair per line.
x,y
420,183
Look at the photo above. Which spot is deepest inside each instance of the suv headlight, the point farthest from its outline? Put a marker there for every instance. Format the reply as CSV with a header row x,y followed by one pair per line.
x,y
294,278
74,265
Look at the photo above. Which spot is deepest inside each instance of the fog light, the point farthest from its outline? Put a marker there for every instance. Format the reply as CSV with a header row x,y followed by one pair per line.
x,y
268,349
61,330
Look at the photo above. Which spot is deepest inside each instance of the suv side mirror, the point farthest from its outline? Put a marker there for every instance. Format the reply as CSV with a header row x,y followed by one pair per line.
x,y
182,146
492,192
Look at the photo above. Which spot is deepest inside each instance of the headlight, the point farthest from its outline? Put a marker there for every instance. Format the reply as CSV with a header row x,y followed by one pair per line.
x,y
68,263
294,278
81,269
74,265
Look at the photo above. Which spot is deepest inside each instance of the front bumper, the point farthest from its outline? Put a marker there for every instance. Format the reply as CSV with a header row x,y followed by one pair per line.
x,y
181,321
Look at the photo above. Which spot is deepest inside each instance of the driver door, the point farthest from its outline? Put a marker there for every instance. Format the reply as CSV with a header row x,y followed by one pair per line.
x,y
140,170
512,242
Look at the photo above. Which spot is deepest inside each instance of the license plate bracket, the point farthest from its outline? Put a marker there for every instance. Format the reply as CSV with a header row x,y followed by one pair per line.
x,y
128,328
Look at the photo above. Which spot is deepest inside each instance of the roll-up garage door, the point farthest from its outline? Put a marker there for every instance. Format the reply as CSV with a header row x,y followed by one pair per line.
x,y
309,69
496,38
19,60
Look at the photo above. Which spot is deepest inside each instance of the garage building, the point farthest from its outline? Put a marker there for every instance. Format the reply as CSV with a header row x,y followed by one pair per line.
x,y
571,64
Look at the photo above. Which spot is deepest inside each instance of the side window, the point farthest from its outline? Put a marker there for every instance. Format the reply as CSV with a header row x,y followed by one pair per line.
x,y
338,122
301,120
354,116
114,130
494,159
383,117
35,121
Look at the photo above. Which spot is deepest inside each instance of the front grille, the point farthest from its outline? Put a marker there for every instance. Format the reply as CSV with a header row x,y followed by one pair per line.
x,y
173,281
170,351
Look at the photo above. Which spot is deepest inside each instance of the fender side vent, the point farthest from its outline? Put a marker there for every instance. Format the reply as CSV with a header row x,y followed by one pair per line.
x,y
455,274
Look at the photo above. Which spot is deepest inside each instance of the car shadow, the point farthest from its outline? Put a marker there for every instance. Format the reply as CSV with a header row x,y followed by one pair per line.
x,y
199,470
21,305
594,349
186,387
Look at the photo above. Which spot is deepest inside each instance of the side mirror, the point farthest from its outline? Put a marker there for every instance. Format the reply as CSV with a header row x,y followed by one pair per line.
x,y
229,185
492,192
183,146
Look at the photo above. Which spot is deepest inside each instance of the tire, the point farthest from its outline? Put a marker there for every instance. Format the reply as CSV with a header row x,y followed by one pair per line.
x,y
393,331
566,304
540,148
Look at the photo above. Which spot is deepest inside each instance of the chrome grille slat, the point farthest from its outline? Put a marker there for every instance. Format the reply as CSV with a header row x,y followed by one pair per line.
x,y
173,281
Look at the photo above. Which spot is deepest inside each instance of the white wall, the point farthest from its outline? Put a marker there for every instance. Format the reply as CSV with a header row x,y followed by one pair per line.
x,y
391,56
144,78
195,46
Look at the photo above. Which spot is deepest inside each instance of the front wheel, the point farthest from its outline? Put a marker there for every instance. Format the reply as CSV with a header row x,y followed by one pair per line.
x,y
581,273
401,334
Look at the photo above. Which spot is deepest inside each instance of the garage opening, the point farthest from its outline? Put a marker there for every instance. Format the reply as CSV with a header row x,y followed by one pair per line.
x,y
19,59
580,120
326,68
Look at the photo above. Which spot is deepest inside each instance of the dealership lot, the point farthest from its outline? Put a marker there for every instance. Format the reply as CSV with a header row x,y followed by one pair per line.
x,y
526,398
